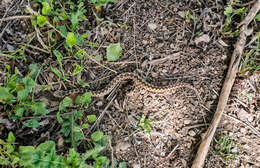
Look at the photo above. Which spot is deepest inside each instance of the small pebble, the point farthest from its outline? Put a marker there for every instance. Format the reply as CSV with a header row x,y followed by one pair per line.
x,y
10,47
224,57
234,150
243,115
214,97
186,122
192,133
250,118
152,26
181,14
99,103
122,146
145,42
243,130
136,165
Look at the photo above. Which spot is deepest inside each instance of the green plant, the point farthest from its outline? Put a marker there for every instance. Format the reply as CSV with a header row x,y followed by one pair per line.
x,y
44,155
224,148
257,17
230,13
70,129
60,73
124,26
189,17
8,156
114,51
250,63
18,95
145,124
101,2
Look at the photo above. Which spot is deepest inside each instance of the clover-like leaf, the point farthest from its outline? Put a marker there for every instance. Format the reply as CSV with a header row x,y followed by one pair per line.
x,y
71,39
33,123
92,118
5,95
41,20
114,51
96,136
66,102
46,9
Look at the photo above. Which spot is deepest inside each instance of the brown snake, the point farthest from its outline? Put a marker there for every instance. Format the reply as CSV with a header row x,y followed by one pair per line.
x,y
138,81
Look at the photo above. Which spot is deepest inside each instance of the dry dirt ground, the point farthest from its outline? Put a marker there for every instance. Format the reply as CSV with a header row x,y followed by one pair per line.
x,y
163,46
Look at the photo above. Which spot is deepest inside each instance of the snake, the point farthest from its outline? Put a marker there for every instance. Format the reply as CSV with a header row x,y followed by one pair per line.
x,y
138,82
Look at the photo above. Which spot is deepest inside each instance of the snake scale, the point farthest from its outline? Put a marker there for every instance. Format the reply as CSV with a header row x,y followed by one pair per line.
x,y
138,81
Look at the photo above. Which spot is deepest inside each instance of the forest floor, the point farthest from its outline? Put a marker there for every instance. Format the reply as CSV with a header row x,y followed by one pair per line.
x,y
65,45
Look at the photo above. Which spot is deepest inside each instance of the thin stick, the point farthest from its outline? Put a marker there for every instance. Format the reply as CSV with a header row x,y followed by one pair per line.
x,y
112,152
15,17
248,125
101,116
229,81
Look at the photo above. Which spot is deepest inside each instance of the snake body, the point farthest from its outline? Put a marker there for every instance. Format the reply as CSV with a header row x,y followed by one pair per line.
x,y
138,81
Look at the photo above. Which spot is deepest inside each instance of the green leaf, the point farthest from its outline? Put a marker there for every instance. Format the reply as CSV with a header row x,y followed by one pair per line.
x,y
81,82
79,40
26,155
92,44
101,161
78,114
122,165
63,30
59,118
66,102
11,138
33,123
58,56
22,95
240,11
84,126
114,51
77,69
71,39
9,148
5,95
84,36
96,136
92,118
77,135
29,84
257,17
34,71
4,161
79,54
73,158
39,108
228,10
47,146
56,72
15,160
92,152
41,20
46,9
101,2
84,99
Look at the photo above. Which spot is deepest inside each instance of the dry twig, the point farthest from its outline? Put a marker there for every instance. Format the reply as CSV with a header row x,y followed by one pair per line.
x,y
15,17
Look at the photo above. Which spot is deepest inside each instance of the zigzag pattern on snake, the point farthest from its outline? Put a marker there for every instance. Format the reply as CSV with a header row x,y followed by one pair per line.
x,y
138,81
